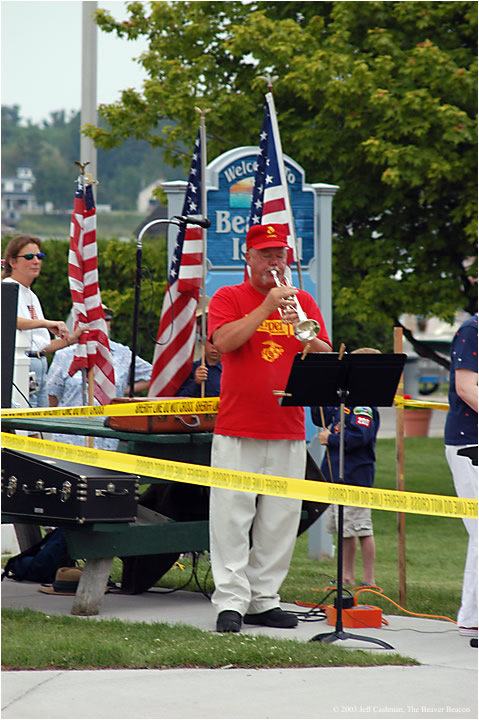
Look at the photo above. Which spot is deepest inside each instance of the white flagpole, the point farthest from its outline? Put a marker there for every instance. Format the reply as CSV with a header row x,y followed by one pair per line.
x,y
202,114
282,173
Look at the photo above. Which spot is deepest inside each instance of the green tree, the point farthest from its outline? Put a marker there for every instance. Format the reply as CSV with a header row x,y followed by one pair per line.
x,y
379,98
49,150
52,148
10,122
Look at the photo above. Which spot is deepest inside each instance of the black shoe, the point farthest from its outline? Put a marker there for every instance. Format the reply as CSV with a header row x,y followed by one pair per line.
x,y
273,618
228,621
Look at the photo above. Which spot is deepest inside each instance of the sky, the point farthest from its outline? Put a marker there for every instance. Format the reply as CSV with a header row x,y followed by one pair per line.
x,y
41,57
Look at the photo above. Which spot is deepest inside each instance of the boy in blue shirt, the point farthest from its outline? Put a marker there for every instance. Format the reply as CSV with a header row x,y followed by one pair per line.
x,y
208,372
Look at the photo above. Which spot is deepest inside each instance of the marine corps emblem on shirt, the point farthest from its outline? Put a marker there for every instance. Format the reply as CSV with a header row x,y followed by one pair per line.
x,y
272,351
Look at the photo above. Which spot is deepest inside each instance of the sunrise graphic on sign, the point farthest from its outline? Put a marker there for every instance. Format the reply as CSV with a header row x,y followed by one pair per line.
x,y
241,192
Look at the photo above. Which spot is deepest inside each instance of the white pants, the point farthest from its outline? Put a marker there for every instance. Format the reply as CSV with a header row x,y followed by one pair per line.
x,y
464,474
252,537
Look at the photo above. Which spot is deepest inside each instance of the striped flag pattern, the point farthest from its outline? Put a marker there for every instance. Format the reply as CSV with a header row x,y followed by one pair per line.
x,y
93,348
270,202
173,356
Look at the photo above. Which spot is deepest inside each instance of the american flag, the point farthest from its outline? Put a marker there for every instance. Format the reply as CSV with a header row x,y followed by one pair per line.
x,y
173,356
93,349
270,202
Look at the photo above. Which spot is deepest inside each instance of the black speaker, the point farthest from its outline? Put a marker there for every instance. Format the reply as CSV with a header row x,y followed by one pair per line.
x,y
9,327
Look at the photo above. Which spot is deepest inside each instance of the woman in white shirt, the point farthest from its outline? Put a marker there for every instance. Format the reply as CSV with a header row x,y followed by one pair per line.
x,y
22,264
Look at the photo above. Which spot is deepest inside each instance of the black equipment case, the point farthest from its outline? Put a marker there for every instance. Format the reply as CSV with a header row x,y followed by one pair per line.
x,y
60,492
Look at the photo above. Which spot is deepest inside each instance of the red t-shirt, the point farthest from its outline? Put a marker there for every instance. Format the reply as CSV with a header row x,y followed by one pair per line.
x,y
248,407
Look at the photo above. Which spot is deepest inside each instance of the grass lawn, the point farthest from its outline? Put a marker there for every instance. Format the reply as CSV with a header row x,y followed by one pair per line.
x,y
36,641
435,548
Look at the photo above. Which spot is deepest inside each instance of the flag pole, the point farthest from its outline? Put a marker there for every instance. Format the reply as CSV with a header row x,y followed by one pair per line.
x,y
88,379
89,440
87,179
282,172
174,348
202,114
83,281
274,122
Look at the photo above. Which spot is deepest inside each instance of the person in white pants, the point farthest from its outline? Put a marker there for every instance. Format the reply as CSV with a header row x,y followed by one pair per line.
x,y
252,534
460,437
252,587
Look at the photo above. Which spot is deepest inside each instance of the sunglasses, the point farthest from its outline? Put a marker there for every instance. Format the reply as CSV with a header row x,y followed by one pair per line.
x,y
30,256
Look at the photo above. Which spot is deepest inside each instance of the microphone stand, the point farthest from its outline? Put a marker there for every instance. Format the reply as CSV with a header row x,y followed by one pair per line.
x,y
339,633
180,220
136,307
357,380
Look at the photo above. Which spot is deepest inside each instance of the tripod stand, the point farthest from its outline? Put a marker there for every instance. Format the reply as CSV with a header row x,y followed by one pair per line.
x,y
359,380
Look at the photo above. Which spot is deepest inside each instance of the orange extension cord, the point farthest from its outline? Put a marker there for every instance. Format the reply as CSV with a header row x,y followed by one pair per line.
x,y
358,590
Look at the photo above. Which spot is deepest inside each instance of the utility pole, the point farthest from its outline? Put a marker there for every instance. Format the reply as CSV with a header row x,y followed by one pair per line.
x,y
88,152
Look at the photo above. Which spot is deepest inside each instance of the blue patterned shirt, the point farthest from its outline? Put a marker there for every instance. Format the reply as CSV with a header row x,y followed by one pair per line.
x,y
461,422
68,389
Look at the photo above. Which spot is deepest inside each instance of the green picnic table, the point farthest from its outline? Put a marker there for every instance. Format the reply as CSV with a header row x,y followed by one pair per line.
x,y
99,543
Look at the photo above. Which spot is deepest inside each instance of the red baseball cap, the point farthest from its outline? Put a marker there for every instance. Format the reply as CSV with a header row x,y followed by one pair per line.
x,y
266,236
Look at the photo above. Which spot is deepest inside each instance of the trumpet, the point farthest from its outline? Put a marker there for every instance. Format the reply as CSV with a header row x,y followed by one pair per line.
x,y
306,329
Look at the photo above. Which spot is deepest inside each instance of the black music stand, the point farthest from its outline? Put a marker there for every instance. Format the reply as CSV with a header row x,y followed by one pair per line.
x,y
363,379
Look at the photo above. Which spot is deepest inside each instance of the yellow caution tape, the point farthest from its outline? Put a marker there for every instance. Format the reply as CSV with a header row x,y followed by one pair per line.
x,y
375,498
178,406
162,407
400,402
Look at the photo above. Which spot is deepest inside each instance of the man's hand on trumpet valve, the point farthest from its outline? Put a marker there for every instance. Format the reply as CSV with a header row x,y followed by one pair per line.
x,y
290,315
282,299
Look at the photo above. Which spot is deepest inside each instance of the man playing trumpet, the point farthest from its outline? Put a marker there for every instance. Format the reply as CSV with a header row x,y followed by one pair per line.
x,y
252,535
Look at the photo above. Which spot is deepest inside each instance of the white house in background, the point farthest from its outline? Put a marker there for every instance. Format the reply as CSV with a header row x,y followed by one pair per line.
x,y
17,192
146,201
423,375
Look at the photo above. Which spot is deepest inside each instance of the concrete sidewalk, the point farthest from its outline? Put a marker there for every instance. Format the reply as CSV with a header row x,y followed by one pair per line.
x,y
443,686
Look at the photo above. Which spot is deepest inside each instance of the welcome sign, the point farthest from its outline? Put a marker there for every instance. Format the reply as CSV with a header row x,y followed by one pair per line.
x,y
230,181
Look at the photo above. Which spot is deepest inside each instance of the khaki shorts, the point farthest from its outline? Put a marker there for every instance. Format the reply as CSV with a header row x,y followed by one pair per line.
x,y
357,521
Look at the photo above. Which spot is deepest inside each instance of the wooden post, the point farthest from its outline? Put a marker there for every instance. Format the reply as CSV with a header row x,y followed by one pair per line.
x,y
203,362
400,484
327,449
